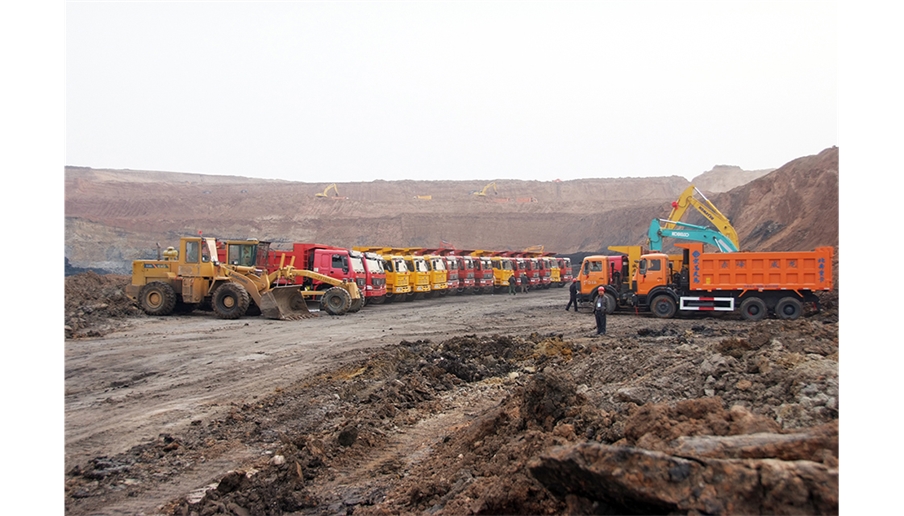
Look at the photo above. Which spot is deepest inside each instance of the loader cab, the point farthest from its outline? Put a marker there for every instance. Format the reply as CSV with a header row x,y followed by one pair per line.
x,y
247,253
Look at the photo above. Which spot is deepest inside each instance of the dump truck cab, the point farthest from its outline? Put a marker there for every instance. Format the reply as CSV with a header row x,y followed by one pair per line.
x,y
555,273
484,275
503,272
453,273
375,290
545,272
420,275
466,273
565,272
396,276
437,272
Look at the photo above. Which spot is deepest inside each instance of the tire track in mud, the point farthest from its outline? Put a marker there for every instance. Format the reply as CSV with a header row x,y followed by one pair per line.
x,y
402,451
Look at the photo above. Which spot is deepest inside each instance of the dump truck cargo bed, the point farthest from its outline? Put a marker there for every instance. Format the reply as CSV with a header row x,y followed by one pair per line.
x,y
779,270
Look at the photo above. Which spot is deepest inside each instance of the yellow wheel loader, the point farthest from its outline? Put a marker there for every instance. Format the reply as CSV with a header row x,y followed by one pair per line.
x,y
195,273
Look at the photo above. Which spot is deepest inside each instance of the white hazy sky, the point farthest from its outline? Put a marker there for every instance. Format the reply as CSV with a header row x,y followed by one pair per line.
x,y
355,91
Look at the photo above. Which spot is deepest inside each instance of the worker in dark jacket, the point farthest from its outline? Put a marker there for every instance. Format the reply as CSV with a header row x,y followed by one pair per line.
x,y
573,295
600,308
511,282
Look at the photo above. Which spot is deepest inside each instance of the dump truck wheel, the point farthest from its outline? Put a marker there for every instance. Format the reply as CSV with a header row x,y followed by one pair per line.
x,y
378,300
335,301
157,298
230,301
789,308
356,305
753,309
610,299
663,307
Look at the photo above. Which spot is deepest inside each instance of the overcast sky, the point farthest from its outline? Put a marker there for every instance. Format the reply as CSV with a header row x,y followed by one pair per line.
x,y
356,91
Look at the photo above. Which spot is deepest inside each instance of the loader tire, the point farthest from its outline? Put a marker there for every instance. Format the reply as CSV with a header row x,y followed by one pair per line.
x,y
335,301
663,307
356,305
753,309
157,298
230,301
789,308
610,300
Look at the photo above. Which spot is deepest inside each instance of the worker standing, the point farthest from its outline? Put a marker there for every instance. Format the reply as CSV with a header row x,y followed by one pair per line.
x,y
600,307
511,282
573,295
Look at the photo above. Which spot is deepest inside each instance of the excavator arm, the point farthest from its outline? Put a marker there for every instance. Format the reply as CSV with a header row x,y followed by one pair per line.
x,y
325,193
688,232
486,188
705,208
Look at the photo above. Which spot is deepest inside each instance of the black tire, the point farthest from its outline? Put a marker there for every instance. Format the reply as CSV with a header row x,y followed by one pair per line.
x,y
610,300
157,298
789,308
663,306
356,305
230,301
378,300
335,301
753,309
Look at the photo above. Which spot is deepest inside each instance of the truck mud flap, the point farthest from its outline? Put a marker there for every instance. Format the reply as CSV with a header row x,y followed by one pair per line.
x,y
285,303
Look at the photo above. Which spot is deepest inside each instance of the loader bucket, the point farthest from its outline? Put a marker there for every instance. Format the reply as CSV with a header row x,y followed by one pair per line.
x,y
284,303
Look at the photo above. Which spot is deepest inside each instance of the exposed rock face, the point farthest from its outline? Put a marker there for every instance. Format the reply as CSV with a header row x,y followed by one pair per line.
x,y
723,178
114,217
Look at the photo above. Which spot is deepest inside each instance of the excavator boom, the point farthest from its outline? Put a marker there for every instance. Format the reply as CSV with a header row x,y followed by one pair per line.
x,y
688,232
705,208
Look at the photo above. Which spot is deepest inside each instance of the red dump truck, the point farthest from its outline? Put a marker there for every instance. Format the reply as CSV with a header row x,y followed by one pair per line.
x,y
328,260
756,284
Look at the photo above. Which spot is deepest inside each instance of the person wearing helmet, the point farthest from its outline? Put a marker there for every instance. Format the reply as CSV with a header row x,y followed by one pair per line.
x,y
600,308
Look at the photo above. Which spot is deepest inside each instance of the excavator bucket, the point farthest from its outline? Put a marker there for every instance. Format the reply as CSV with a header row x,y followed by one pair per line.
x,y
285,303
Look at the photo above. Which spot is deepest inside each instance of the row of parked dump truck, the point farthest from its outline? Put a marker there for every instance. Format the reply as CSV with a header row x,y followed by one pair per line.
x,y
235,277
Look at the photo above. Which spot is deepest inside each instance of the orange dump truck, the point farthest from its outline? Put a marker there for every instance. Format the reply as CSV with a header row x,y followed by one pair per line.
x,y
755,283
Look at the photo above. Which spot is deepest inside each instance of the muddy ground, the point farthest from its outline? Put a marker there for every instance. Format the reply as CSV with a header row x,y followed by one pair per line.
x,y
491,404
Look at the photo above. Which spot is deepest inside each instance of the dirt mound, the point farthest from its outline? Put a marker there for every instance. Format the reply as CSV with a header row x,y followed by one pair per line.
x,y
96,305
451,427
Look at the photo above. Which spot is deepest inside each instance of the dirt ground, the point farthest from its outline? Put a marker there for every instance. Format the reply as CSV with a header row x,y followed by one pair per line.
x,y
457,405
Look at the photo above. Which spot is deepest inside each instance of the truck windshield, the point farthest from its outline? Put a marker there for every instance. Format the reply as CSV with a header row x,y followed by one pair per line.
x,y
400,265
438,264
374,266
357,264
241,254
